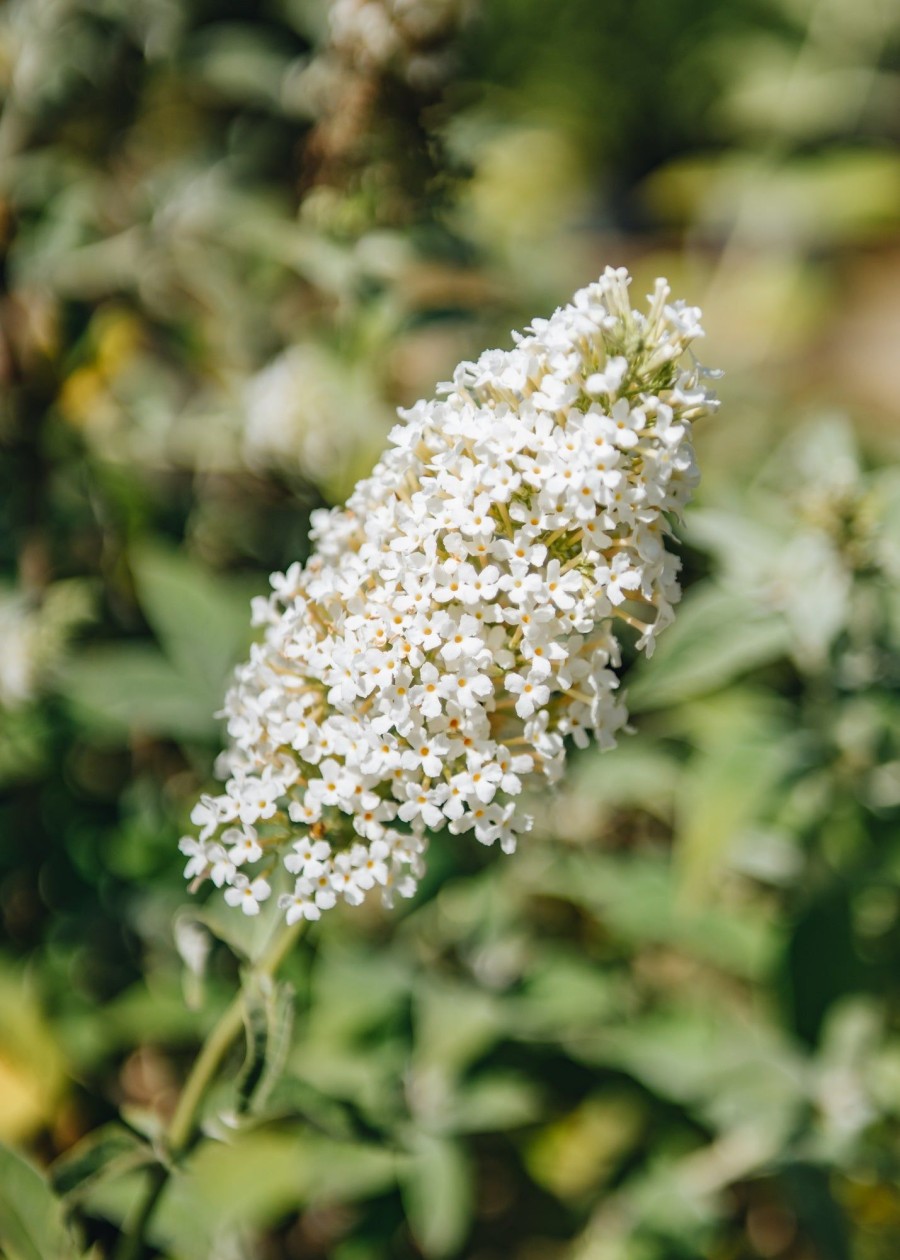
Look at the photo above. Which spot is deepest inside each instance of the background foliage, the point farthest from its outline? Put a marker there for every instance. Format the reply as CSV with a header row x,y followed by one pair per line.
x,y
233,237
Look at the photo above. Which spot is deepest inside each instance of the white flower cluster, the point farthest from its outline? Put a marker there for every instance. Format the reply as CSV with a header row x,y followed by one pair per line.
x,y
459,618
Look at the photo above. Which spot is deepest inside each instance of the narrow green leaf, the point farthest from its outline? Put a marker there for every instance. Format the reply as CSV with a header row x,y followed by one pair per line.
x,y
32,1225
256,1027
107,1152
281,1022
437,1195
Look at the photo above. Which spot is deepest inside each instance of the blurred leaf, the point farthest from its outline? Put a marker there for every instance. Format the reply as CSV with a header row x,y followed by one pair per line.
x,y
243,62
817,598
32,1225
737,1075
108,1151
638,775
725,787
131,687
141,1013
202,620
492,1103
354,990
454,1024
718,636
742,542
256,1029
638,902
835,196
262,1175
249,1183
437,1195
564,993
294,1099
772,91
580,1151
32,1070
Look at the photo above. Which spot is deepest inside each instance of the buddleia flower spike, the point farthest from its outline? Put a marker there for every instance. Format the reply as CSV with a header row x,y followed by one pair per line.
x,y
460,618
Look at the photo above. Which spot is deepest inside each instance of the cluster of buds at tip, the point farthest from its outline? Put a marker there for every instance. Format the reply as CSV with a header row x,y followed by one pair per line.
x,y
460,618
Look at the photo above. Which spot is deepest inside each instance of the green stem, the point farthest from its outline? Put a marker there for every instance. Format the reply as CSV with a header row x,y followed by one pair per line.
x,y
183,1126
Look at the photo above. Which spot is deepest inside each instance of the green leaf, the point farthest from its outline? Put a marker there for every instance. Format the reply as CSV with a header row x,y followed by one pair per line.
x,y
581,1150
242,62
726,787
454,1024
732,1073
564,993
741,543
202,621
836,196
280,1015
259,1000
32,1224
637,900
246,935
109,1151
718,636
437,1195
493,1103
259,1176
636,775
292,1098
127,687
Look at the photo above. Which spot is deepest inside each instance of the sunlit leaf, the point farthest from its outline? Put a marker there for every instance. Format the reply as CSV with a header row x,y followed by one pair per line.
x,y
580,1151
718,636
32,1068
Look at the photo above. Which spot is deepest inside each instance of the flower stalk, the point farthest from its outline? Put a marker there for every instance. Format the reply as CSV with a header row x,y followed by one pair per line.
x,y
184,1125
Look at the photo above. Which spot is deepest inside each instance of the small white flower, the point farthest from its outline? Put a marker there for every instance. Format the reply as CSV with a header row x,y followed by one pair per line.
x,y
563,588
301,903
531,689
309,857
247,895
608,381
618,578
243,845
195,851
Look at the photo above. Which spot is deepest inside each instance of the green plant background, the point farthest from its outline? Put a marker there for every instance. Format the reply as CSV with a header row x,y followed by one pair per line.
x,y
667,1028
